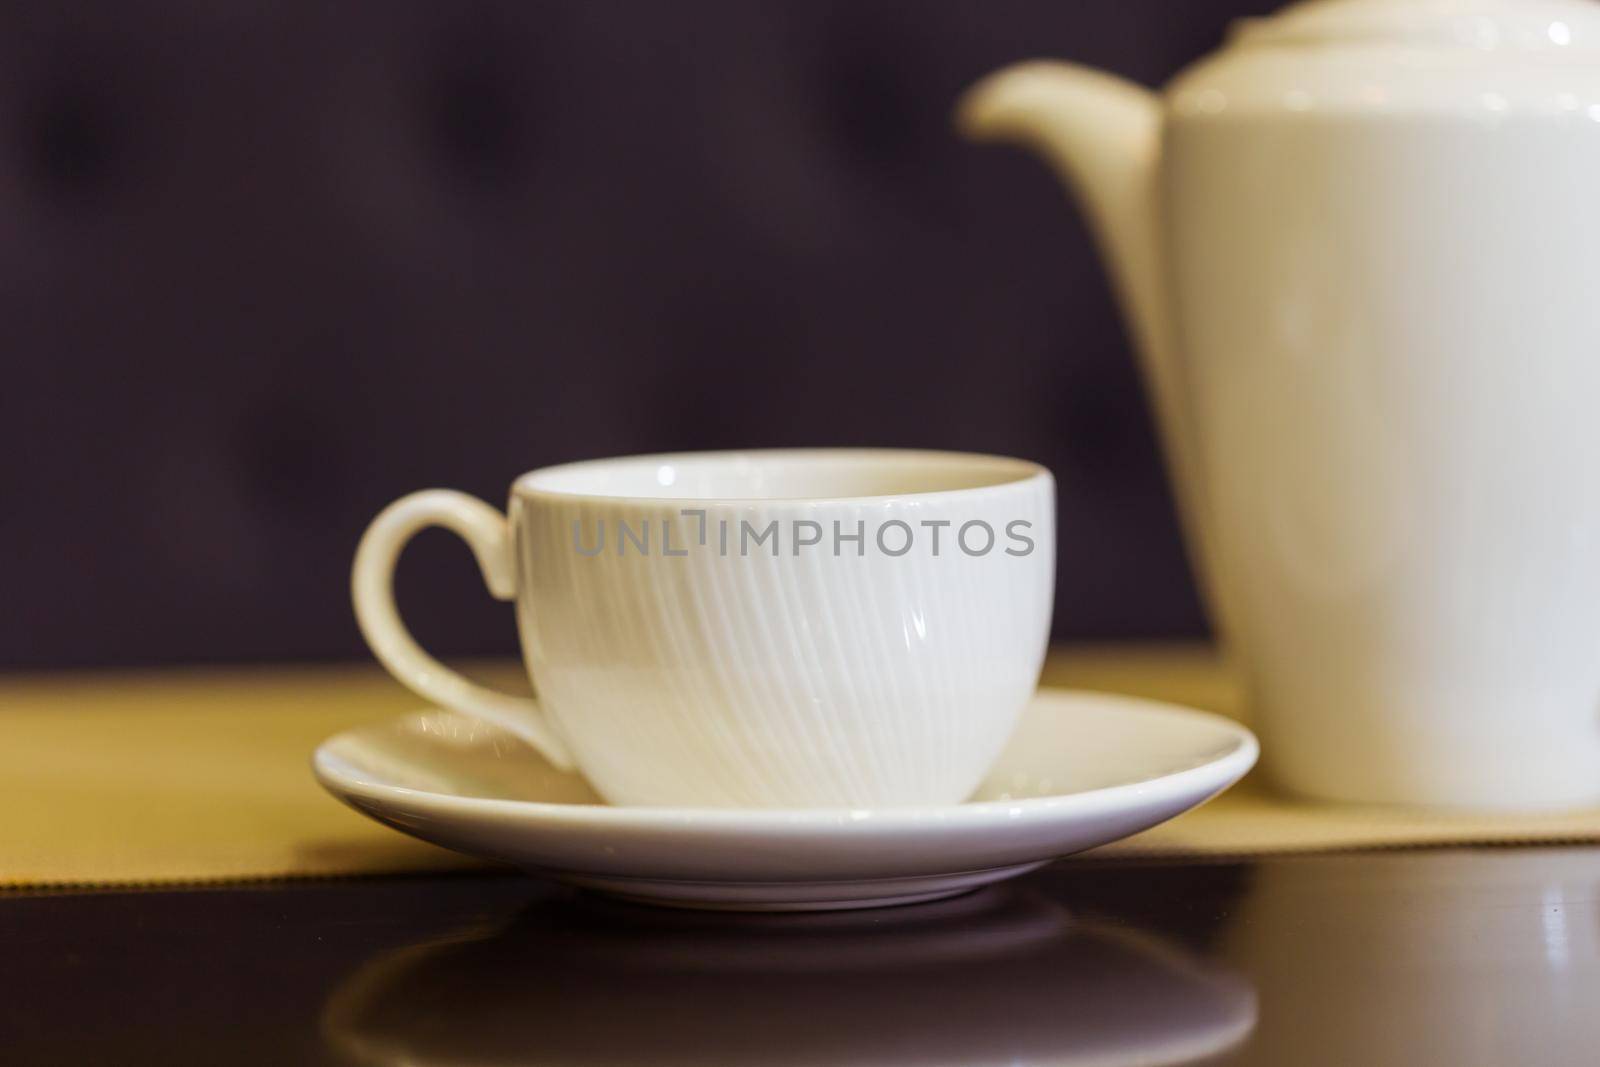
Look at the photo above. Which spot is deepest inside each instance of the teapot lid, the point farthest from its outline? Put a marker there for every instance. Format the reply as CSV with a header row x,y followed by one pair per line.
x,y
1486,58
1532,25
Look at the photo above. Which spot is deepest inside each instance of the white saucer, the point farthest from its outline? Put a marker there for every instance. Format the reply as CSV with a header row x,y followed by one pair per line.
x,y
1083,769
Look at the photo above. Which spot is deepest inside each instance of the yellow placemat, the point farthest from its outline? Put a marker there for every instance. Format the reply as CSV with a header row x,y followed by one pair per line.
x,y
202,776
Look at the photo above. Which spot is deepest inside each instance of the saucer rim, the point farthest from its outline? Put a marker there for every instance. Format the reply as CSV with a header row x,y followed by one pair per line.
x,y
1217,772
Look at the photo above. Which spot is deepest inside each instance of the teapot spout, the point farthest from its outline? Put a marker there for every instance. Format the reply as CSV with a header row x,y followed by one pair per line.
x,y
1102,136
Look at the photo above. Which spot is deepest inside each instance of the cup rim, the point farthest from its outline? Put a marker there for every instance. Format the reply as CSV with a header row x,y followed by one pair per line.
x,y
1022,473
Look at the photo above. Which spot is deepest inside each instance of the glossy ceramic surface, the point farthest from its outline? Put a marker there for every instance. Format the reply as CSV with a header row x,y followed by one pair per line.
x,y
1083,769
1358,248
762,629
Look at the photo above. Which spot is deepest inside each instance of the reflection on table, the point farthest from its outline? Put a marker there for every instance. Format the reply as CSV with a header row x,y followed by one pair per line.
x,y
1464,958
1003,976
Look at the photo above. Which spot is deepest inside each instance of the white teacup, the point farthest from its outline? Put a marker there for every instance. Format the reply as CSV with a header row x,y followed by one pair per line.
x,y
837,628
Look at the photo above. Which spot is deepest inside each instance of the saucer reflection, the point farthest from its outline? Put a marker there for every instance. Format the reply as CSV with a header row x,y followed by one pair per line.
x,y
1002,976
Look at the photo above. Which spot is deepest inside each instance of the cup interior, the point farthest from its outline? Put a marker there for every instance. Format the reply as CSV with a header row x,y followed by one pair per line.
x,y
810,474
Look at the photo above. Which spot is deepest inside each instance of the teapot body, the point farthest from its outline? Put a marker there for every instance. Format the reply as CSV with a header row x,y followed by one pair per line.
x,y
1360,247
1387,332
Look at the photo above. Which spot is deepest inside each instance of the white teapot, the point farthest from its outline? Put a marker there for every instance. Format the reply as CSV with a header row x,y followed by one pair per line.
x,y
1360,250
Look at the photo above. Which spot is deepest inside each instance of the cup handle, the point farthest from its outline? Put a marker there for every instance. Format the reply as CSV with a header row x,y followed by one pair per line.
x,y
372,589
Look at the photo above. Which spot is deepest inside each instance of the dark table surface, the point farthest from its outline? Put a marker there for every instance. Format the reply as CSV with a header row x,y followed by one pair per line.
x,y
1449,957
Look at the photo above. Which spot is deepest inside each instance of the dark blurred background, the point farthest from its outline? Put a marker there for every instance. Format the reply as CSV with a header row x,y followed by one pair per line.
x,y
266,266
